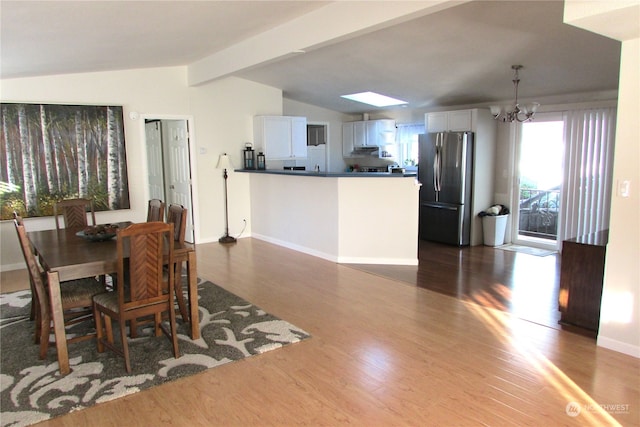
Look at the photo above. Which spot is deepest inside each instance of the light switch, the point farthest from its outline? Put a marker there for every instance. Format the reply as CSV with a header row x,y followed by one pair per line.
x,y
203,150
623,188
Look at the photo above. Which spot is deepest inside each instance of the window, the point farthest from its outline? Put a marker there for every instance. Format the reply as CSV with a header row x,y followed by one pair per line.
x,y
407,139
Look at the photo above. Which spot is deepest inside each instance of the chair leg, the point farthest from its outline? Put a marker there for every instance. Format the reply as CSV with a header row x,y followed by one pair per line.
x,y
133,328
99,331
34,304
44,329
125,345
38,328
157,320
174,333
109,328
179,294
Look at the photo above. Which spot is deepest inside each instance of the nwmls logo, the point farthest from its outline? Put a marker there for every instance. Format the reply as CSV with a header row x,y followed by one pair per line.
x,y
573,409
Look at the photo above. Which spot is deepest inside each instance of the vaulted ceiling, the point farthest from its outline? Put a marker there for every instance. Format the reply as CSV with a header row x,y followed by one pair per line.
x,y
453,56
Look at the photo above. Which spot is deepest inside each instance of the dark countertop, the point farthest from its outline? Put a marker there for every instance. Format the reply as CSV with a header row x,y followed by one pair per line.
x,y
330,174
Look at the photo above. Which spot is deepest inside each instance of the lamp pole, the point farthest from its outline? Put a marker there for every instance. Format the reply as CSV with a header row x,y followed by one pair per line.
x,y
226,238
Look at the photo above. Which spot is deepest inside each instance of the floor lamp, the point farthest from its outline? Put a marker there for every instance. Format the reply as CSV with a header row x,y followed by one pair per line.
x,y
224,162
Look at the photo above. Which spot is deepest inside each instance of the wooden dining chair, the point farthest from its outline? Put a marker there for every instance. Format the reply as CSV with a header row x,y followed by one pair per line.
x,y
34,300
143,251
177,215
74,213
76,296
155,211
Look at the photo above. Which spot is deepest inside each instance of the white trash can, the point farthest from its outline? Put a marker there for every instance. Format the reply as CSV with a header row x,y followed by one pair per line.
x,y
493,229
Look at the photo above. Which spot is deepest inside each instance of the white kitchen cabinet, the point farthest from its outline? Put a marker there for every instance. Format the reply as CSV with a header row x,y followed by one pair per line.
x,y
280,137
347,139
449,121
367,133
299,136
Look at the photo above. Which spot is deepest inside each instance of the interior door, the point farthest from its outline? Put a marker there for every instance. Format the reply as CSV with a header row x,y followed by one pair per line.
x,y
177,170
155,167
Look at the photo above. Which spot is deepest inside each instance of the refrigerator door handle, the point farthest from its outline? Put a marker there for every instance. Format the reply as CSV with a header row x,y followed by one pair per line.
x,y
437,165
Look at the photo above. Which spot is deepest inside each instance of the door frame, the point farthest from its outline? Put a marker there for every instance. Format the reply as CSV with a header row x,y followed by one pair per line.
x,y
515,189
195,217
327,134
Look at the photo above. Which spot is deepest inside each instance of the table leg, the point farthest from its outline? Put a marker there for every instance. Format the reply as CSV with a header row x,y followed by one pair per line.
x,y
193,295
57,316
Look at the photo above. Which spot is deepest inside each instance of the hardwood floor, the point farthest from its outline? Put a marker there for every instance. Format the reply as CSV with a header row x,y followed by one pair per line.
x,y
524,285
382,353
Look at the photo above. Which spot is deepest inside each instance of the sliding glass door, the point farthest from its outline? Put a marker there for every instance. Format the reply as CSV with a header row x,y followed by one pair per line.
x,y
539,180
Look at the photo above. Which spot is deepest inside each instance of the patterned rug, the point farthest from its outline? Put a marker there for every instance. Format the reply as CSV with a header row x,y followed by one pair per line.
x,y
32,390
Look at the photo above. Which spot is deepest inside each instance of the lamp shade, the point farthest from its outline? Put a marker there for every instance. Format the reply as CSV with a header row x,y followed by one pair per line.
x,y
224,162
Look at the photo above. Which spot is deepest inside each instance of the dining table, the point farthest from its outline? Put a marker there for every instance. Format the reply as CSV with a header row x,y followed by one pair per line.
x,y
66,254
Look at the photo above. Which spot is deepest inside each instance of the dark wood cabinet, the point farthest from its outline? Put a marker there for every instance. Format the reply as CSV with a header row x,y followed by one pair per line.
x,y
581,276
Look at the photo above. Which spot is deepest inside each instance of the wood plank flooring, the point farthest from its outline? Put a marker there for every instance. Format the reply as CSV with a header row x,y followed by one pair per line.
x,y
524,285
382,353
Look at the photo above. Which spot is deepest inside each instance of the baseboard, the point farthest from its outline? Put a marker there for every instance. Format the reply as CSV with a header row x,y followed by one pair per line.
x,y
380,261
620,347
298,248
334,258
11,267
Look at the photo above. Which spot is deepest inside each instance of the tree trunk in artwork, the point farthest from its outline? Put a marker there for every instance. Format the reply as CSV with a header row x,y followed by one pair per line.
x,y
31,198
46,144
57,149
11,178
81,153
113,167
99,160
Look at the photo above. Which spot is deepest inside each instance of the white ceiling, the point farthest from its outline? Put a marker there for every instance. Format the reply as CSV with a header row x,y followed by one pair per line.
x,y
458,56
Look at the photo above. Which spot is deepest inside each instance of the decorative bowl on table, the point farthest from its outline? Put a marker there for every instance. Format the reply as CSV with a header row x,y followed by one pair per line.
x,y
98,233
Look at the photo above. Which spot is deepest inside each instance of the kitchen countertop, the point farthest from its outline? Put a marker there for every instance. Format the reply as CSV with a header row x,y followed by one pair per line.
x,y
330,174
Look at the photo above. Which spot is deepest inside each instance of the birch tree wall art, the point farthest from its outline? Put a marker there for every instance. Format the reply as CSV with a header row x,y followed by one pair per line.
x,y
51,152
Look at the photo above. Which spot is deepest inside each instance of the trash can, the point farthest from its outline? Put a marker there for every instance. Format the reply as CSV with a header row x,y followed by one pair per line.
x,y
493,229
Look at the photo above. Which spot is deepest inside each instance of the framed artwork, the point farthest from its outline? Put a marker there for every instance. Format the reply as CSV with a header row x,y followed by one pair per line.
x,y
50,152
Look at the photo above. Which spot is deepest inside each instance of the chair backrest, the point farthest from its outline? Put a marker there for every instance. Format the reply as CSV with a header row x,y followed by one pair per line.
x,y
18,218
155,212
177,215
74,213
32,265
144,248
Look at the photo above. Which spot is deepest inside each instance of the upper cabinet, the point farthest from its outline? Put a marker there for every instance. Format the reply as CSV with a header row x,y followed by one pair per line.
x,y
449,121
367,133
281,137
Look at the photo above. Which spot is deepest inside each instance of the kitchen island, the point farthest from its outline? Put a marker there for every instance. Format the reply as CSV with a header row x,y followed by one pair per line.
x,y
357,217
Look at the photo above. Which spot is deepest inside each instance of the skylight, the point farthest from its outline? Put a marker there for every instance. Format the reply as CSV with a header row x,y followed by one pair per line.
x,y
374,99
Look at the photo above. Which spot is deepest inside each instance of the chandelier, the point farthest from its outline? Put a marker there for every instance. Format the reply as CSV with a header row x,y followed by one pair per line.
x,y
518,113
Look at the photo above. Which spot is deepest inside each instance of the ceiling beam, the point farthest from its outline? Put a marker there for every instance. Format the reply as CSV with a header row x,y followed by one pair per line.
x,y
615,19
333,23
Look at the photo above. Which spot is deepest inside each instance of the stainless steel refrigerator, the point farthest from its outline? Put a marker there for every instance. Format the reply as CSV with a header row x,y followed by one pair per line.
x,y
445,169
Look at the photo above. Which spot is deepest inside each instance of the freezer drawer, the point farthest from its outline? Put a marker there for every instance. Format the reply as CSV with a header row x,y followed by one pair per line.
x,y
444,223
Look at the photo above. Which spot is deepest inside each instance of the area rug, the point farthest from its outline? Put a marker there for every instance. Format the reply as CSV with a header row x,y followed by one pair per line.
x,y
32,390
526,250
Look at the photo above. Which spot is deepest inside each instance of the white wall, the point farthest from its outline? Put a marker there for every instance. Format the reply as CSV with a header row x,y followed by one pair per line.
x,y
620,309
222,113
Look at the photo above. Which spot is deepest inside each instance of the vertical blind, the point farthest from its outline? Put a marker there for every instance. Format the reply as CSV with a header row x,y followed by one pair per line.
x,y
588,164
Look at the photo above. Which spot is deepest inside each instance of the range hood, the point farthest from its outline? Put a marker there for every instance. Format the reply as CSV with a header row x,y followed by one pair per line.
x,y
365,151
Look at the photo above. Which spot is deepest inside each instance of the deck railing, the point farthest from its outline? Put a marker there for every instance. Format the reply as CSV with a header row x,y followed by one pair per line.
x,y
538,216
